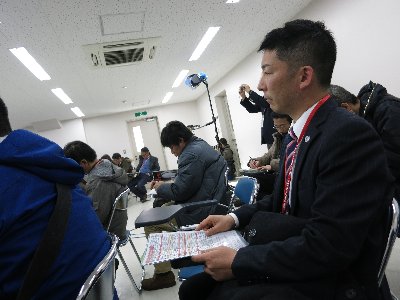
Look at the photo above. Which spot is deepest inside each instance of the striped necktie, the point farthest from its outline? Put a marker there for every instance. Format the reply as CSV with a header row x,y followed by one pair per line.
x,y
291,146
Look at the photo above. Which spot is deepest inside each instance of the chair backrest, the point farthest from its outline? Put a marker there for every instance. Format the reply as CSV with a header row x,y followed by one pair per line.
x,y
120,202
100,283
392,234
246,190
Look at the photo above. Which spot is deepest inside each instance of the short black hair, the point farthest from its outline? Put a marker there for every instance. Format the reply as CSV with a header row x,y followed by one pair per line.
x,y
5,127
116,156
342,95
174,132
145,150
275,115
304,43
223,141
79,151
106,156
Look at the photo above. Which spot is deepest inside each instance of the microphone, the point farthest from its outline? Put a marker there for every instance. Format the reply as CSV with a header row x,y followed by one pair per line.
x,y
194,80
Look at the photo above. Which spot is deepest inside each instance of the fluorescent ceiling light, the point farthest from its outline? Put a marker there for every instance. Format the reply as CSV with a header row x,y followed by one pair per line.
x,y
167,97
180,78
62,95
207,38
77,111
232,1
23,55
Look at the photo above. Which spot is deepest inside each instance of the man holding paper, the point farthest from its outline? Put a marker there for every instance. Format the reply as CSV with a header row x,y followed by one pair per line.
x,y
322,233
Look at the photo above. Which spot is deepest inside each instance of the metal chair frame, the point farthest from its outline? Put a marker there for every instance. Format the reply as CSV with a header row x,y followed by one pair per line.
x,y
100,283
392,235
246,190
122,199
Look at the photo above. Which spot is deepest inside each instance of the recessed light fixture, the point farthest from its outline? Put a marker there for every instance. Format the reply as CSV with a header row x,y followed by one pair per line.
x,y
124,87
23,55
232,1
167,97
206,39
77,111
62,95
124,101
182,74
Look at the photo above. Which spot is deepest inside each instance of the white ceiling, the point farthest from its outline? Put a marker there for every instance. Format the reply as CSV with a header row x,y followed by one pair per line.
x,y
54,31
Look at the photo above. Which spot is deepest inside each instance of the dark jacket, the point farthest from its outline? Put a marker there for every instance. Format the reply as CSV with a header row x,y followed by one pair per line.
x,y
383,112
341,191
154,166
255,104
30,167
201,176
104,183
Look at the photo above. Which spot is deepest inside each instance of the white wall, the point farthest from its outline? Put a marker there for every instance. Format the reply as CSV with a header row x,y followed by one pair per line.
x,y
70,131
109,134
366,33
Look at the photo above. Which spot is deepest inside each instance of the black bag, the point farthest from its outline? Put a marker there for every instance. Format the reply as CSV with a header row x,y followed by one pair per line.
x,y
265,227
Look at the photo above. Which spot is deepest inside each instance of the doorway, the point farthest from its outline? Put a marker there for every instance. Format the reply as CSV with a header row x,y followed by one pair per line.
x,y
225,121
146,133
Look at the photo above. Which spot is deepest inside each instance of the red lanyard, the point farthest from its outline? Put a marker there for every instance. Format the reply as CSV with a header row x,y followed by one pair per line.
x,y
288,177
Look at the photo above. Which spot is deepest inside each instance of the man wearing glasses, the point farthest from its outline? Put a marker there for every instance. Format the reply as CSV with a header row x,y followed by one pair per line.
x,y
270,160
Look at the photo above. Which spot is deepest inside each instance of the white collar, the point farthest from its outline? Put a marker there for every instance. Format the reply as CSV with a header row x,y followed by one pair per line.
x,y
299,124
2,138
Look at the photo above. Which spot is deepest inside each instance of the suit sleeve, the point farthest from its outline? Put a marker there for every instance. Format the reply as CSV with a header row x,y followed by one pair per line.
x,y
156,165
342,211
250,107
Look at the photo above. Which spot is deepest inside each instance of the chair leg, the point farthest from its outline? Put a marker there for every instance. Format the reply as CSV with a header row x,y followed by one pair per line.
x,y
138,257
138,288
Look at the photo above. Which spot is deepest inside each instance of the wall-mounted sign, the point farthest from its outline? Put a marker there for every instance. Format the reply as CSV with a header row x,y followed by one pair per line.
x,y
140,113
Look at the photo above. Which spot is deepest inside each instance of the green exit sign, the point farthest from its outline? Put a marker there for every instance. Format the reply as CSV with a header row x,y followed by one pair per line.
x,y
140,113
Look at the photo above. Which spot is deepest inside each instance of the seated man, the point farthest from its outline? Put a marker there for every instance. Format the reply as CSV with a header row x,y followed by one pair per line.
x,y
227,153
382,110
270,160
201,176
30,168
122,162
103,184
147,165
322,235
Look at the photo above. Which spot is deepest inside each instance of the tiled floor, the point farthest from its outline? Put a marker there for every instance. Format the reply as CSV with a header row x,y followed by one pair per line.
x,y
126,290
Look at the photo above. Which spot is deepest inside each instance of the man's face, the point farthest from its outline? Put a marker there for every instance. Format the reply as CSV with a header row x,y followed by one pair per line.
x,y
145,155
117,161
278,83
281,125
177,149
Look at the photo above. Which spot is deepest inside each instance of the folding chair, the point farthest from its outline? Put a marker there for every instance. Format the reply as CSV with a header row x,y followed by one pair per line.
x,y
121,203
245,190
100,283
392,234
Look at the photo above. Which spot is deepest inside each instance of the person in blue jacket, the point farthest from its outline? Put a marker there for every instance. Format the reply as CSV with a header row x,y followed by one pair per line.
x,y
30,167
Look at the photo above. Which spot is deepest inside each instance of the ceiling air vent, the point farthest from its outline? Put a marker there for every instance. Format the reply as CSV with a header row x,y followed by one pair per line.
x,y
121,53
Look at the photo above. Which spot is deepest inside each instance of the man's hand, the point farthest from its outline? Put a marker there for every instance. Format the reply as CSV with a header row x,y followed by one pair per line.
x,y
266,168
242,89
216,223
254,164
155,184
217,262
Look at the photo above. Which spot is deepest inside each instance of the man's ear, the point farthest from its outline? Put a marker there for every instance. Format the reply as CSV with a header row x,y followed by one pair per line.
x,y
306,75
346,106
83,162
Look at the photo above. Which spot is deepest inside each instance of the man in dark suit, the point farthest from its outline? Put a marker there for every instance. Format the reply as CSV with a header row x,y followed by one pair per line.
x,y
147,165
322,233
254,104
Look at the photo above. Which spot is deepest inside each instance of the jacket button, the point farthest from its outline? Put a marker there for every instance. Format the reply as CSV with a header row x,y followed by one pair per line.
x,y
351,294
